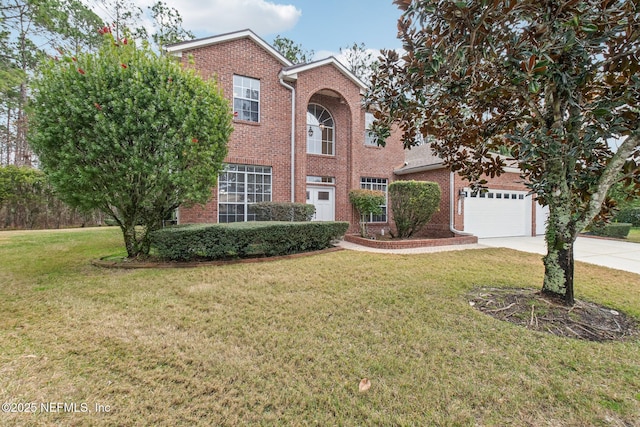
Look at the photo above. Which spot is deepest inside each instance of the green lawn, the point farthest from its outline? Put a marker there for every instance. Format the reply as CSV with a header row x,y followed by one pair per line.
x,y
287,342
634,235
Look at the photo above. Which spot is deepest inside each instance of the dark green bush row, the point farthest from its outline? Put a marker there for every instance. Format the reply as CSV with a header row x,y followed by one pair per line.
x,y
244,240
617,230
630,215
283,211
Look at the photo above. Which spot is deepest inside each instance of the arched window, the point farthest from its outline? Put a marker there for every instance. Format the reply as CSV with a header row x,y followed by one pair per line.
x,y
320,131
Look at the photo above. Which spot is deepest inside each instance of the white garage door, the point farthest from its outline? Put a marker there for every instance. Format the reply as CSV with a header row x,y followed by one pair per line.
x,y
497,213
542,214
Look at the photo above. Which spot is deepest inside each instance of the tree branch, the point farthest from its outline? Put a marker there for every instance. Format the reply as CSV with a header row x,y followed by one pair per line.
x,y
609,176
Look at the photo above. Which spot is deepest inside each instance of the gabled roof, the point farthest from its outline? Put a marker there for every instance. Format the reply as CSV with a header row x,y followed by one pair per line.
x,y
178,48
291,72
419,158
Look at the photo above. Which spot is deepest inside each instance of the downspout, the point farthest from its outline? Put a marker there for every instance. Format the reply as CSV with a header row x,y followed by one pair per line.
x,y
452,209
293,138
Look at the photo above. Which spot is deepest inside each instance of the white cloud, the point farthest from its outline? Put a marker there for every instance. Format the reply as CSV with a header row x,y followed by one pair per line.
x,y
211,17
321,54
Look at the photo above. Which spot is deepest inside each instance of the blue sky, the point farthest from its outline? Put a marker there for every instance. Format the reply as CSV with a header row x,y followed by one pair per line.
x,y
327,25
323,26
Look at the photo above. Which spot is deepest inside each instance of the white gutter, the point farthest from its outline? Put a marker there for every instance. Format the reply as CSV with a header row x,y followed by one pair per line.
x,y
452,209
415,169
293,138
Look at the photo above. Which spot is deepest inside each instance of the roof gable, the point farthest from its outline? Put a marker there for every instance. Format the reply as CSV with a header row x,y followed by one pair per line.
x,y
292,71
178,48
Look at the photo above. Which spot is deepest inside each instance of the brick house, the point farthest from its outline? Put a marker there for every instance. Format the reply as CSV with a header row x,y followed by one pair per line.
x,y
507,209
299,132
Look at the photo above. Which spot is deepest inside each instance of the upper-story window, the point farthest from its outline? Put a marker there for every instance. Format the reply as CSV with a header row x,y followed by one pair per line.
x,y
246,98
320,131
370,138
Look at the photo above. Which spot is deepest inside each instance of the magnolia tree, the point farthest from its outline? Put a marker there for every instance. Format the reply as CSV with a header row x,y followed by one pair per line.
x,y
129,132
553,83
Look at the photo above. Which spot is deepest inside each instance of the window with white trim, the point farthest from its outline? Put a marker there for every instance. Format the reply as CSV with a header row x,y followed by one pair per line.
x,y
320,179
370,138
320,131
378,184
246,98
239,186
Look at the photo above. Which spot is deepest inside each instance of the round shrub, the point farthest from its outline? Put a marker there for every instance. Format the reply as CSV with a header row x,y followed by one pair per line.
x,y
413,203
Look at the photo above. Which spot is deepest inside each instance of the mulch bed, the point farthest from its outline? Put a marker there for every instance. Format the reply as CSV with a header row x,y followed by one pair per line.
x,y
537,311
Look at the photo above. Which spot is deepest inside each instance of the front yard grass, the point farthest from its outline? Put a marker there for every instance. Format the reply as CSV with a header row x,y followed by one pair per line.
x,y
287,342
634,235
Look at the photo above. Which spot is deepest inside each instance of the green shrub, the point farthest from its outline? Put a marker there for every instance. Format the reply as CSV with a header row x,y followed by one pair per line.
x,y
244,239
366,202
618,230
413,203
283,211
629,215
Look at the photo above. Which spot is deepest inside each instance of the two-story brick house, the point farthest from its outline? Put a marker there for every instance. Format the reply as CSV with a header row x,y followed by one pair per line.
x,y
299,132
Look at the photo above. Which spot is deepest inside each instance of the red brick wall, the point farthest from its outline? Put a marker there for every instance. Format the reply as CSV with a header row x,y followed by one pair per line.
x,y
268,143
352,159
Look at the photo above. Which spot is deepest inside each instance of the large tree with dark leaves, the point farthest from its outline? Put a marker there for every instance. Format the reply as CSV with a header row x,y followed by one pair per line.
x,y
553,83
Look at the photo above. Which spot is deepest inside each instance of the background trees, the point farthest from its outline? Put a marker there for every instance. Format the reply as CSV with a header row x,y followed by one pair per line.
x,y
31,30
360,60
167,23
291,50
130,133
554,83
27,200
28,29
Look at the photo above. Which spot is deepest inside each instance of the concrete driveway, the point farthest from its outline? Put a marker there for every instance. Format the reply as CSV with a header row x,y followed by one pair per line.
x,y
608,253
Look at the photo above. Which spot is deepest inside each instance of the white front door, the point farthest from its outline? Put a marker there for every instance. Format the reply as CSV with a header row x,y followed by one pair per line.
x,y
323,198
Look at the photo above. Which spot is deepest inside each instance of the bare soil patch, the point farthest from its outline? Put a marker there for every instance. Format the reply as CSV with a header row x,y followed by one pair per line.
x,y
537,311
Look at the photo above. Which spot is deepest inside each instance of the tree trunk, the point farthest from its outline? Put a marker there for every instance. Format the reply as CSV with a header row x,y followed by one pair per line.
x,y
363,226
558,270
131,240
136,241
560,236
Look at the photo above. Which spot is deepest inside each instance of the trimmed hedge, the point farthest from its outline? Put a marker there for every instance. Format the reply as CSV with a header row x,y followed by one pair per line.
x,y
629,215
616,230
413,203
244,239
283,211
